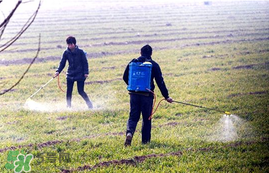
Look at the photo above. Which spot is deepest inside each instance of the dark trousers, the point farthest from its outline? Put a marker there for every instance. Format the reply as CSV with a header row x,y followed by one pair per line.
x,y
140,104
80,87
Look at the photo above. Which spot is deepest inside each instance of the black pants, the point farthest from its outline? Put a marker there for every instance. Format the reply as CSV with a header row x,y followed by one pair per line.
x,y
140,104
80,87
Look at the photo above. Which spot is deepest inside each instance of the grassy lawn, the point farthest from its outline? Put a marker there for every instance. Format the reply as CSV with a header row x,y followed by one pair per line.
x,y
207,67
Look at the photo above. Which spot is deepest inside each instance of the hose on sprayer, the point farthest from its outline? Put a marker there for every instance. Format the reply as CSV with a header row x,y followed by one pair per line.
x,y
59,83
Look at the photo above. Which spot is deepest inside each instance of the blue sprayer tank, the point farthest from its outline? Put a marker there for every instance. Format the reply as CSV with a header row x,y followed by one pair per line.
x,y
139,76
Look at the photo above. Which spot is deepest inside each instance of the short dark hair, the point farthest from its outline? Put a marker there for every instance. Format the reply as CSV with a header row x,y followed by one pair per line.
x,y
71,40
146,50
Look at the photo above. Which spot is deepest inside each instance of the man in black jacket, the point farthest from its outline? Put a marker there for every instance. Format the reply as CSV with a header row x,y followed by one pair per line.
x,y
142,102
78,70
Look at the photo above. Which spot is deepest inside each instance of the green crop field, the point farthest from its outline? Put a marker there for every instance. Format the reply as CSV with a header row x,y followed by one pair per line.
x,y
215,55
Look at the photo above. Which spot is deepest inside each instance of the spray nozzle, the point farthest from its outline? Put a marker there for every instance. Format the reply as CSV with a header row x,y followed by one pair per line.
x,y
227,113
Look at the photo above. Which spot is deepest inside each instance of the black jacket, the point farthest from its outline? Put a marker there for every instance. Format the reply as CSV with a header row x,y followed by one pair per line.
x,y
155,74
78,64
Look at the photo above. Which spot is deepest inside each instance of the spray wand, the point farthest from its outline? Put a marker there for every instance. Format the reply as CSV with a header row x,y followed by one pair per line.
x,y
189,104
41,87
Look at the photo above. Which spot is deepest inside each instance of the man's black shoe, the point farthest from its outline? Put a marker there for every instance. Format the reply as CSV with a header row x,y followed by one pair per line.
x,y
128,140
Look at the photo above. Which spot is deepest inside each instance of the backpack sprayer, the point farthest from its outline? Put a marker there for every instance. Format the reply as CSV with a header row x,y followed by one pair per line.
x,y
140,78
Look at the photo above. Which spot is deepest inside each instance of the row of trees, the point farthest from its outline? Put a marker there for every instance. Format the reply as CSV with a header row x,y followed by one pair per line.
x,y
16,36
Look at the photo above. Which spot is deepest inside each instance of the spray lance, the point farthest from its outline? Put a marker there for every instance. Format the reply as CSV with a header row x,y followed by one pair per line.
x,y
41,87
218,110
189,104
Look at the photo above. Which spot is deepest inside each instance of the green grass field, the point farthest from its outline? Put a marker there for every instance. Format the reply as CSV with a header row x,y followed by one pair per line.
x,y
213,55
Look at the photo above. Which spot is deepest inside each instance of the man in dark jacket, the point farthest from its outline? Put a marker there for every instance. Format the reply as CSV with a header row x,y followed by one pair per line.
x,y
78,70
142,102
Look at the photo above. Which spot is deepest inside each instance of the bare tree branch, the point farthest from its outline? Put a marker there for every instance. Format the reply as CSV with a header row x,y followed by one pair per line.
x,y
38,50
3,26
23,29
27,1
6,21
